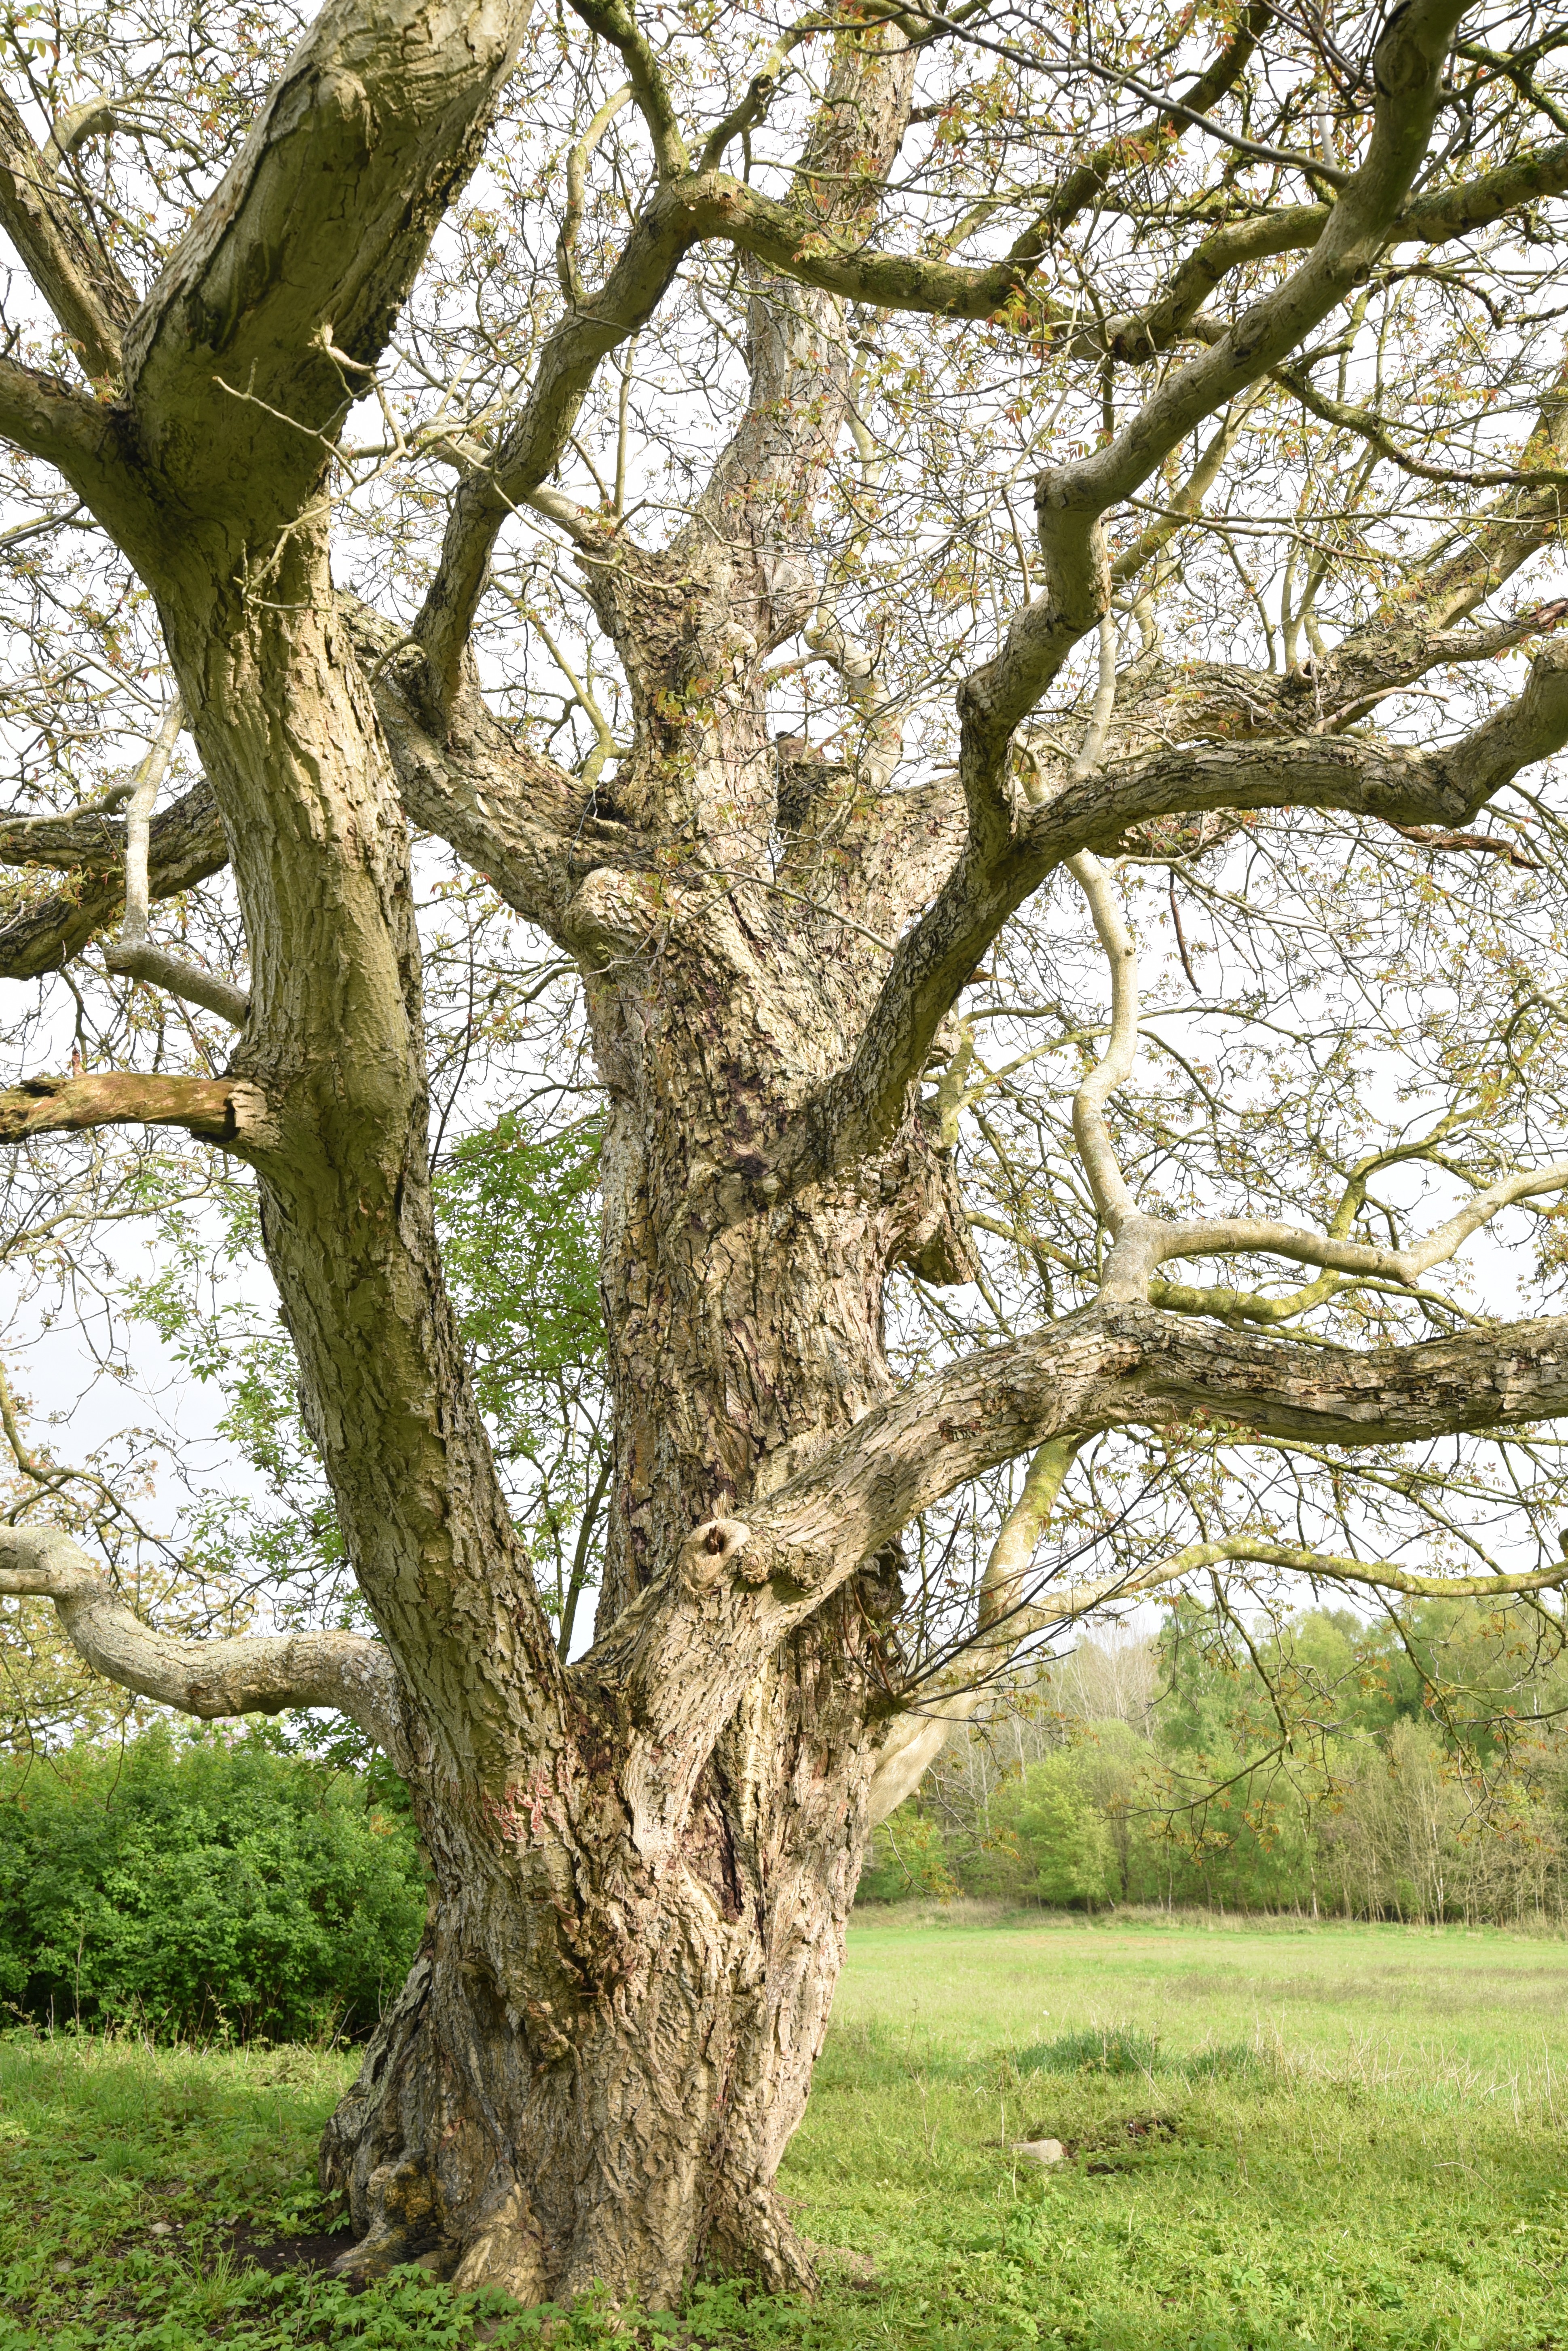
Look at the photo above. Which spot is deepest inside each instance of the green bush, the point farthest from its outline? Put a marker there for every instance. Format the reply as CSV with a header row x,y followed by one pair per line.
x,y
908,1861
202,1888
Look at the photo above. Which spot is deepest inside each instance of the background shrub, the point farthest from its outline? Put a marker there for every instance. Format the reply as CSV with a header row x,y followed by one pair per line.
x,y
908,1858
203,1888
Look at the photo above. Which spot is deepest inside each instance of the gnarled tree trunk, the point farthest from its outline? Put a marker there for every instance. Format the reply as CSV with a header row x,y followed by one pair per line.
x,y
602,2053
609,2037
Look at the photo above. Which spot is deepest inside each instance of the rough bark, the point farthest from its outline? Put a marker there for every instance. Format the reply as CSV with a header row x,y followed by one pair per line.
x,y
612,2101
646,2042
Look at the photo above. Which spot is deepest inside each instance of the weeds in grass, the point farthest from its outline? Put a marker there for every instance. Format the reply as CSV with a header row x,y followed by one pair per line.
x,y
1097,2049
1236,2061
1122,2050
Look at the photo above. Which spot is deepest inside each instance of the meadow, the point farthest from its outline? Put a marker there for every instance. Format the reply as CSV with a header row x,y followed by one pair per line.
x,y
1278,2133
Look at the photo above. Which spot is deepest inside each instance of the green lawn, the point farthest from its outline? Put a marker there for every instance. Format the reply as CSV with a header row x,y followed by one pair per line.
x,y
1406,2005
1347,2136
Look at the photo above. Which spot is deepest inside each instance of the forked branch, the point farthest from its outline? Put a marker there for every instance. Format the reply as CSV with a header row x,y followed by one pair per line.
x,y
615,21
1072,499
306,252
1014,842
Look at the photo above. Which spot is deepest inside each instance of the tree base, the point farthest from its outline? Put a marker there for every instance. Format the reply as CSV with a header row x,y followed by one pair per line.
x,y
459,2150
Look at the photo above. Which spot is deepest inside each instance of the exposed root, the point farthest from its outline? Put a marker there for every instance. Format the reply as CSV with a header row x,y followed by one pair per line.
x,y
755,2237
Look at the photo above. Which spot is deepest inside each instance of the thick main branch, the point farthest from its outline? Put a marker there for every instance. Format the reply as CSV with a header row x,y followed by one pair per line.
x,y
738,1589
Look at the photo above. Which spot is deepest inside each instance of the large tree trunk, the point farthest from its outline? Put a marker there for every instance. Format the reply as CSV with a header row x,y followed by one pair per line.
x,y
606,2042
602,2053
598,2063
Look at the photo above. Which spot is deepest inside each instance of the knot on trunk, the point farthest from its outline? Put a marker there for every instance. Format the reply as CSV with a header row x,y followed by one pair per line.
x,y
712,1551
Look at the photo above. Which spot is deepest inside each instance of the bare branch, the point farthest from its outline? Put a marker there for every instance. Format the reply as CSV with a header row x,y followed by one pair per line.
x,y
1142,1242
254,1674
997,869
1114,1066
576,177
132,953
1371,428
838,259
1188,500
1070,499
915,1740
740,1588
1184,109
615,22
230,1111
532,445
159,968
1377,1575
71,271
1437,219
750,111
1090,179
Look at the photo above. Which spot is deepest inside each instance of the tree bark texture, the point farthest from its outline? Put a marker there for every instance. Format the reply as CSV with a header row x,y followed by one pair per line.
x,y
610,2038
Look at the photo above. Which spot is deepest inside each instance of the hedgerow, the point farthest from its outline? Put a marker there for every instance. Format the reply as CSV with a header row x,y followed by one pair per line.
x,y
203,1887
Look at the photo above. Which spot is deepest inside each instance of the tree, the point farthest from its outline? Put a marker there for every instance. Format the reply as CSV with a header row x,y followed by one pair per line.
x,y
1261,317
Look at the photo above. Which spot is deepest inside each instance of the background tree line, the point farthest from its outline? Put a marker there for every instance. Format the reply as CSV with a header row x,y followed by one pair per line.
x,y
269,1884
1412,1768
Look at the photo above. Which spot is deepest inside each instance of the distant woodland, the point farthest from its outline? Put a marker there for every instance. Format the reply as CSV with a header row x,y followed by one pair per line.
x,y
1413,1768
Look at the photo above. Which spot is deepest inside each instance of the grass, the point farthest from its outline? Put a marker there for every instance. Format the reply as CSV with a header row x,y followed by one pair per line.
x,y
1341,2137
